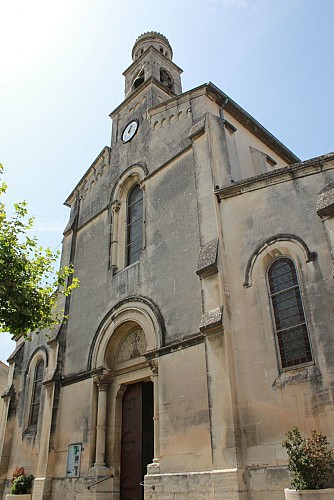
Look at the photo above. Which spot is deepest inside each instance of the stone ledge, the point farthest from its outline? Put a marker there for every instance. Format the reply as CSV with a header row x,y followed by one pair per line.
x,y
207,259
325,201
212,321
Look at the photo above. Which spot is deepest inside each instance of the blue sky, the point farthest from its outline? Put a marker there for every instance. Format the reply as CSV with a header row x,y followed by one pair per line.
x,y
61,75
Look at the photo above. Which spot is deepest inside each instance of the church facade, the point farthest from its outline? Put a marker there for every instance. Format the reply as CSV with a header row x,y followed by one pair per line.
x,y
202,330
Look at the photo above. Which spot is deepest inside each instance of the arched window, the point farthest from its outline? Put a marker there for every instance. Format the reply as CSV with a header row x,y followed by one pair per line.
x,y
36,393
291,329
140,78
166,79
134,224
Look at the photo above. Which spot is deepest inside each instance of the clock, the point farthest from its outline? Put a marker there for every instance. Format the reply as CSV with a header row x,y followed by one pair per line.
x,y
130,131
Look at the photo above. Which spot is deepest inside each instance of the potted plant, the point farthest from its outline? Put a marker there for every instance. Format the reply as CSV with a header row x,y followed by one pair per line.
x,y
21,485
311,466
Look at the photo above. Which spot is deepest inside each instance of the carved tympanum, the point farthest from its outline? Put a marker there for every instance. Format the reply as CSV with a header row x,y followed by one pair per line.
x,y
133,345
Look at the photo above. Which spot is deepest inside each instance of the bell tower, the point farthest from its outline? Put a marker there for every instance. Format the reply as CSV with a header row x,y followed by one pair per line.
x,y
152,59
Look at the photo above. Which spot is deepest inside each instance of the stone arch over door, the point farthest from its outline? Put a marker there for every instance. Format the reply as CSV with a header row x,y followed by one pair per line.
x,y
136,310
119,359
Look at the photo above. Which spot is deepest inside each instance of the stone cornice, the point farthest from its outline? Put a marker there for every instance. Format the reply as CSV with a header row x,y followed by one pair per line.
x,y
79,377
175,346
177,100
234,110
136,92
286,174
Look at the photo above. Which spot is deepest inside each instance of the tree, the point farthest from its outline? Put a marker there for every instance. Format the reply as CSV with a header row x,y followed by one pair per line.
x,y
29,287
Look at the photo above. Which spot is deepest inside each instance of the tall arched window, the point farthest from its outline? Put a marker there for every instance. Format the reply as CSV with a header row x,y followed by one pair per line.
x,y
291,329
134,224
36,393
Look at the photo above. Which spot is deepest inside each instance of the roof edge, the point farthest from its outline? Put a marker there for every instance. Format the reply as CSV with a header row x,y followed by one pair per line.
x,y
104,152
278,173
253,125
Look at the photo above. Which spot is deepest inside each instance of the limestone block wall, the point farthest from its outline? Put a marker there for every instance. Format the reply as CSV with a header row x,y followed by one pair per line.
x,y
75,425
271,400
184,418
245,142
166,272
197,486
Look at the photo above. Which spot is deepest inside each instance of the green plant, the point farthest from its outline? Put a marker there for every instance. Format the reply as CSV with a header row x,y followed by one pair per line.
x,y
29,287
311,463
21,483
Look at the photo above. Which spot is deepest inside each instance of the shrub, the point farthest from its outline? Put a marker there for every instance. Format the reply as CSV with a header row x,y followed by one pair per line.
x,y
311,463
21,483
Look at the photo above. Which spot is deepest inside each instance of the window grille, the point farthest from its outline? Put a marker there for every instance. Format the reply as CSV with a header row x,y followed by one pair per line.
x,y
36,393
291,329
134,224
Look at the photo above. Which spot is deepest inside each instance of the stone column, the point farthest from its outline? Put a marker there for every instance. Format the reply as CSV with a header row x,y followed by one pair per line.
x,y
115,207
102,382
153,468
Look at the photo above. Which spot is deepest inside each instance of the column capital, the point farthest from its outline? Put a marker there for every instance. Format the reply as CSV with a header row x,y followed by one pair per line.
x,y
153,364
103,380
115,206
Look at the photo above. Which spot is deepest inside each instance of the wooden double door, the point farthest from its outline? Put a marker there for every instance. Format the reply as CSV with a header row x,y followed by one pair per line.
x,y
137,439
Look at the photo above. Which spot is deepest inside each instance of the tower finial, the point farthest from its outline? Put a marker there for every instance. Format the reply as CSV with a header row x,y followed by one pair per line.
x,y
155,39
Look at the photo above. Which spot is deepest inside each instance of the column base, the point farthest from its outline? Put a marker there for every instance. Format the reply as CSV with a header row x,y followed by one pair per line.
x,y
154,467
99,483
42,488
100,471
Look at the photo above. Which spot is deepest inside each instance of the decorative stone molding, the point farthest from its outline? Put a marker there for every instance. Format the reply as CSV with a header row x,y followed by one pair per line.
x,y
153,364
277,239
115,206
50,378
207,259
135,309
175,346
212,321
133,346
102,381
168,119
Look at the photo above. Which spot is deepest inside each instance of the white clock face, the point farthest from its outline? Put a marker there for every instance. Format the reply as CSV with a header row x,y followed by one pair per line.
x,y
130,131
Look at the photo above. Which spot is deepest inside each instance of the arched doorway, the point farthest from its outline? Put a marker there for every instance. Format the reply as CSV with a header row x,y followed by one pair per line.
x,y
130,398
125,357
